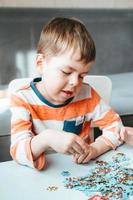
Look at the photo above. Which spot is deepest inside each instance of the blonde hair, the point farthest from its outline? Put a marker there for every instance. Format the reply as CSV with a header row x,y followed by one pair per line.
x,y
62,34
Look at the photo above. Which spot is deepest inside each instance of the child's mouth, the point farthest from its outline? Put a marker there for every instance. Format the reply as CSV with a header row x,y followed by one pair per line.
x,y
68,93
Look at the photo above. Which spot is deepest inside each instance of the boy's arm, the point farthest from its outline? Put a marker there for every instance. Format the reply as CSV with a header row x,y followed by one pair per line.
x,y
100,148
22,135
60,141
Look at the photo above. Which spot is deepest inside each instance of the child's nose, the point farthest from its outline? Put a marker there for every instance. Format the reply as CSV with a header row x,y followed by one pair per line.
x,y
74,80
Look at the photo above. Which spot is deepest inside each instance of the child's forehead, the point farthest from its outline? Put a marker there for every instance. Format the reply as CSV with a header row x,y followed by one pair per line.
x,y
68,58
70,61
70,55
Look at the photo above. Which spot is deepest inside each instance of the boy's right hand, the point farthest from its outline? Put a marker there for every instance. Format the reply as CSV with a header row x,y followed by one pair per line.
x,y
67,143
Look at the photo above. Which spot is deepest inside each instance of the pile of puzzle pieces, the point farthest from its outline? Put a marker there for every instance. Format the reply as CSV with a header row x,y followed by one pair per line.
x,y
113,180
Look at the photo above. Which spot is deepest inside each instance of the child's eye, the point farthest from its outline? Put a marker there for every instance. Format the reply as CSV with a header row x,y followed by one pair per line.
x,y
66,73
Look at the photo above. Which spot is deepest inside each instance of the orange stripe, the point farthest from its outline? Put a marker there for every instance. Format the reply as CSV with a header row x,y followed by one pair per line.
x,y
17,101
86,129
21,125
71,110
13,151
108,119
40,162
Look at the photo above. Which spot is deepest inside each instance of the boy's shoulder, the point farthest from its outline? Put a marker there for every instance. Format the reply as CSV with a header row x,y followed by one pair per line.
x,y
17,85
23,88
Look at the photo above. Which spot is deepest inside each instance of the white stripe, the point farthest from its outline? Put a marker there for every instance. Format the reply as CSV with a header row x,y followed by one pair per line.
x,y
20,113
20,136
112,137
116,124
100,110
21,154
47,124
29,97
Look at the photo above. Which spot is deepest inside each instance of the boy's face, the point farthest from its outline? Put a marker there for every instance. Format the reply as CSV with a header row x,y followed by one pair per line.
x,y
62,76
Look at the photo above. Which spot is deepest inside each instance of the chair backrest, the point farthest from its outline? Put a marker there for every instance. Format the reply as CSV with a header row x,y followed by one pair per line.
x,y
102,84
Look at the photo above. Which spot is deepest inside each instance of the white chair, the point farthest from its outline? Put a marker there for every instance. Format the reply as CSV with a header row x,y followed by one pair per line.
x,y
102,84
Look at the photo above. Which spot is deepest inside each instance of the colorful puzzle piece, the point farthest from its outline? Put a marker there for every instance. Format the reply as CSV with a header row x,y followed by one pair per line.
x,y
52,188
65,173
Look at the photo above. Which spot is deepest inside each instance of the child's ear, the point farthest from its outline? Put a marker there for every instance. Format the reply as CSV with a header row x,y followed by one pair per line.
x,y
39,63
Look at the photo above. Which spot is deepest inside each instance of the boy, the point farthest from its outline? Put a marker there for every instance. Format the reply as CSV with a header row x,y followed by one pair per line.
x,y
55,111
126,135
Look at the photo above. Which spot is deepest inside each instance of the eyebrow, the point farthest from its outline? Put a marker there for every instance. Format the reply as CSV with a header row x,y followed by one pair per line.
x,y
70,67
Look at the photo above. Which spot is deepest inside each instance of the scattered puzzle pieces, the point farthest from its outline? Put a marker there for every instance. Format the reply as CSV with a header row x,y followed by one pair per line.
x,y
52,188
120,157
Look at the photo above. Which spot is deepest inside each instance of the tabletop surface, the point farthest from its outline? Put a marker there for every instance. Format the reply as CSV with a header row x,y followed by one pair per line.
x,y
20,182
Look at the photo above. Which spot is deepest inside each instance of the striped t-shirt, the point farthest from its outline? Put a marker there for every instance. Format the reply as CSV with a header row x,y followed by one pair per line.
x,y
32,114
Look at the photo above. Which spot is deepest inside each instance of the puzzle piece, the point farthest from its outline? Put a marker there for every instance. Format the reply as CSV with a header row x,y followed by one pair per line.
x,y
52,188
65,173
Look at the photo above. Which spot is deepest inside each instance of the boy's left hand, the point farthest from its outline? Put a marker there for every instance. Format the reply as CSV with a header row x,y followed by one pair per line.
x,y
86,157
126,135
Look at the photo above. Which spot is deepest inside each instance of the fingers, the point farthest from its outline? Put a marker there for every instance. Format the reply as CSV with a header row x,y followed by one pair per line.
x,y
91,153
78,148
75,157
83,158
87,158
81,145
72,151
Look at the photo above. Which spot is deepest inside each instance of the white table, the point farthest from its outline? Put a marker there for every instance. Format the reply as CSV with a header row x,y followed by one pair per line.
x,y
19,182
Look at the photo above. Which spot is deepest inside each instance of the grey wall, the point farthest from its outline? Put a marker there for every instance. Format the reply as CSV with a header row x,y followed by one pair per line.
x,y
68,4
112,31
